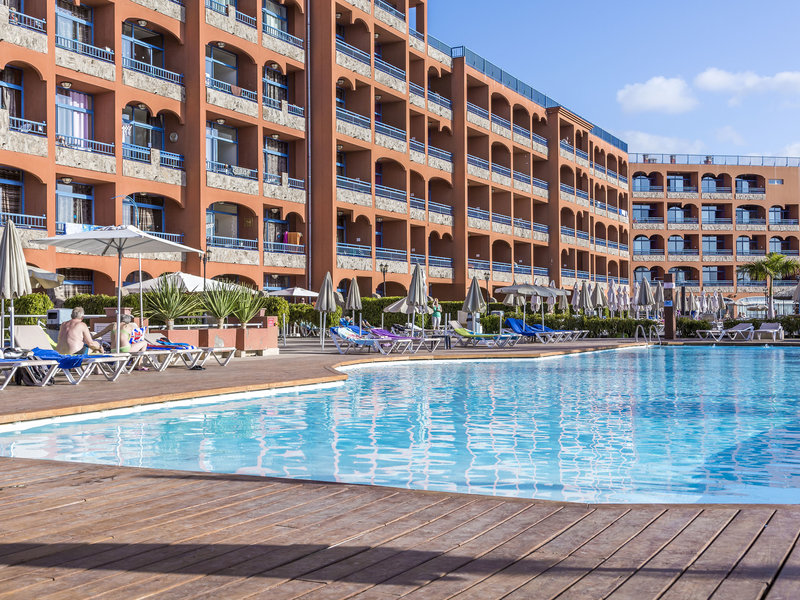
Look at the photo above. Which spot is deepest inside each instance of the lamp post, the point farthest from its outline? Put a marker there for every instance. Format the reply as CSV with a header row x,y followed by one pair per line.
x,y
384,268
486,276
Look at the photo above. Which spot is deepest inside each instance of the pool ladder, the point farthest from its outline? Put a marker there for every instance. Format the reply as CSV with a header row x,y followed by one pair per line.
x,y
648,335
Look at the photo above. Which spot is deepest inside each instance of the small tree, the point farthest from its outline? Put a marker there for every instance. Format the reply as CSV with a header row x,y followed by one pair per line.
x,y
220,301
168,301
772,266
248,303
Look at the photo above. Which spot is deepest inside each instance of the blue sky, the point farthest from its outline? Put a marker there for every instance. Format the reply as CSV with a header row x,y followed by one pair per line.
x,y
701,76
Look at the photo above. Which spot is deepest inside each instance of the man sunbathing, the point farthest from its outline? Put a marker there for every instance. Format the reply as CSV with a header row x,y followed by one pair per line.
x,y
74,336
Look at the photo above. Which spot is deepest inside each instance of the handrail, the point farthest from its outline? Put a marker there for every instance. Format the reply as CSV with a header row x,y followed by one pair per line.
x,y
653,330
644,335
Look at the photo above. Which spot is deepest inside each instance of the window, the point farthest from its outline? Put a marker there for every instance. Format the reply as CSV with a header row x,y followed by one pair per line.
x,y
641,183
777,214
140,129
13,4
276,87
641,212
222,144
77,281
221,65
341,96
275,230
275,16
776,181
276,282
746,215
276,157
641,273
378,174
710,213
11,93
776,244
677,183
379,234
145,212
341,229
222,219
74,204
378,112
341,164
641,244
74,22
744,245
142,45
11,191
680,275
74,115
712,244
676,244
713,274
675,214
709,184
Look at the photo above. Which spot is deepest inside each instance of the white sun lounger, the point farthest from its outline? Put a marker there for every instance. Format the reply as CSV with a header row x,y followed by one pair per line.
x,y
773,330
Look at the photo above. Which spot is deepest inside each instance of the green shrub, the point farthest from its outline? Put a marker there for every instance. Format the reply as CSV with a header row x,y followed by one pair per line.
x,y
301,313
277,306
248,304
93,304
32,304
220,301
168,301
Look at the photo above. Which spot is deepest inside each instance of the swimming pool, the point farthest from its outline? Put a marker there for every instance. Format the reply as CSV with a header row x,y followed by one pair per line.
x,y
672,424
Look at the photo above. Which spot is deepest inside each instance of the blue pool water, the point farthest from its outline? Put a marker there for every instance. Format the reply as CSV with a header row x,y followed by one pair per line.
x,y
658,425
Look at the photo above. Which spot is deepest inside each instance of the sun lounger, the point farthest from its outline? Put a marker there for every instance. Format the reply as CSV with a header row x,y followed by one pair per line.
x,y
415,343
742,331
465,337
192,357
773,330
40,372
347,340
566,335
715,333
530,334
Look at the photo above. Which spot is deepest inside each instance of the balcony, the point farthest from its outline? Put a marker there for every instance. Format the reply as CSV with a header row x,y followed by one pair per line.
x,y
477,267
353,256
748,252
566,150
85,154
153,79
287,256
416,94
353,125
750,193
501,126
440,266
478,167
233,250
441,214
501,175
390,75
21,135
22,30
678,192
227,18
173,8
582,158
388,14
282,187
153,164
784,224
390,137
716,192
352,58
85,58
478,116
391,199
416,208
416,151
501,271
282,42
232,178
395,260
716,224
502,223
750,224
281,112
231,97
353,191
440,159
440,105
477,218
30,227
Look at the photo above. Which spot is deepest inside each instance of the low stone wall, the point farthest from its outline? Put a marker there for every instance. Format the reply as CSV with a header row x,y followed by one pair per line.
x,y
283,48
540,148
438,163
234,256
501,179
748,227
522,233
647,226
351,197
636,194
522,140
582,161
479,223
440,219
716,258
500,130
153,171
478,172
716,227
85,64
441,272
81,159
645,257
416,44
540,192
416,213
540,236
231,183
154,85
501,276
564,154
501,228
353,65
284,192
683,258
443,58
282,116
15,141
354,262
757,197
364,5
20,36
717,196
390,205
417,157
354,131
231,102
416,100
478,120
682,195
288,261
440,110
784,227
170,9
390,19
231,25
390,81
27,236
522,186
390,143
396,266
683,226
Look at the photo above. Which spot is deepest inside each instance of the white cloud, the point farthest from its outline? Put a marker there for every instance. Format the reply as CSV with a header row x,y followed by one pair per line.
x,y
639,141
657,94
745,82
729,135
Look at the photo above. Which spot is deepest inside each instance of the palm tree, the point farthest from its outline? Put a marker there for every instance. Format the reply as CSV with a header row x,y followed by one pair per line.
x,y
772,266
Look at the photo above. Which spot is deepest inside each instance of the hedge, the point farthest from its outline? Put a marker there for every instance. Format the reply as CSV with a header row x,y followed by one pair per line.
x,y
32,304
95,304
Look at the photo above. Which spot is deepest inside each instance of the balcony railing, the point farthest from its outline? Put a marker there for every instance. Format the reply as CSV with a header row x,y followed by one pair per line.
x,y
647,251
502,219
599,168
389,131
582,274
172,160
246,19
568,231
218,241
442,209
540,183
440,261
540,227
717,221
280,248
519,130
582,194
581,154
353,118
751,252
385,67
717,252
612,244
352,52
682,220
611,173
541,271
273,178
639,219
717,283
501,170
68,141
137,153
750,221
416,146
215,5
567,189
61,227
27,21
783,221
232,170
688,189
354,185
502,267
23,221
26,126
440,154
297,111
716,190
623,247
440,100
522,223
104,54
152,70
170,237
439,45
623,180
353,250
539,139
480,265
297,184
523,269
504,123
477,110
417,259
418,203
565,145
390,193
750,190
476,161
391,254
390,9
227,88
417,35
646,189
478,213
416,89
683,251
584,235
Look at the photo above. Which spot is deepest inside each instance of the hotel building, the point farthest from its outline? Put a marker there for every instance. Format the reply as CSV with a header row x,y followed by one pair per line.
x,y
700,217
291,139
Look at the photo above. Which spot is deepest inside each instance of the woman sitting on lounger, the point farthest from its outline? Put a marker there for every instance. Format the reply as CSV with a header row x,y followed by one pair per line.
x,y
129,341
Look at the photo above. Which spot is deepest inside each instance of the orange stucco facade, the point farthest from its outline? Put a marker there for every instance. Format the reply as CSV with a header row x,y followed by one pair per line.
x,y
296,138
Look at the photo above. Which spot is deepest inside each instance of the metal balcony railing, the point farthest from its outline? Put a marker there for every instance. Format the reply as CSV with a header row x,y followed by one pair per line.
x,y
390,193
418,259
27,21
68,141
501,219
245,19
353,118
682,220
688,189
717,251
504,123
232,170
478,213
539,139
297,184
717,221
522,223
715,159
297,111
281,35
611,174
482,265
273,178
280,248
391,254
568,231
750,221
151,70
540,227
439,45
218,241
540,183
645,189
640,219
523,269
389,131
565,145
352,52
172,160
354,185
582,274
683,251
784,221
353,250
476,161
717,283
520,130
442,262
137,153
390,9
440,154
599,168
581,154
541,271
502,267
718,189
501,170
227,88
440,100
417,203
416,146
416,89
567,189
648,251
582,194
584,235
170,237
442,209
26,126
23,221
477,110
384,67
416,34
104,54
220,7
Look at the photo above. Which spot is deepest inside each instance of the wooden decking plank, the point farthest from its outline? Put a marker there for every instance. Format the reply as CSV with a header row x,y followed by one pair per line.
x,y
186,567
707,572
658,574
753,575
148,565
560,576
290,552
787,581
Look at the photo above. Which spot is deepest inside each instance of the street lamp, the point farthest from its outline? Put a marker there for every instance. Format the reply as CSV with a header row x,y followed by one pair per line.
x,y
384,268
486,276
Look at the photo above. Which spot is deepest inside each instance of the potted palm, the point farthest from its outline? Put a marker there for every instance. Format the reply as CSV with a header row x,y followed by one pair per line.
x,y
166,303
219,302
249,304
773,266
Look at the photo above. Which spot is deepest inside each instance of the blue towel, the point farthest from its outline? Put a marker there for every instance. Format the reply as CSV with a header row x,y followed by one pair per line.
x,y
65,361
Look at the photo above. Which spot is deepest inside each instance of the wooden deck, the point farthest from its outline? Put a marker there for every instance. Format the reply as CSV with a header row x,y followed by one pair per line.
x,y
86,531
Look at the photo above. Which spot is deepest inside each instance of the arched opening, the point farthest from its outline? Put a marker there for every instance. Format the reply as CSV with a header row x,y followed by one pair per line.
x,y
231,225
23,97
685,276
159,215
750,185
715,184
